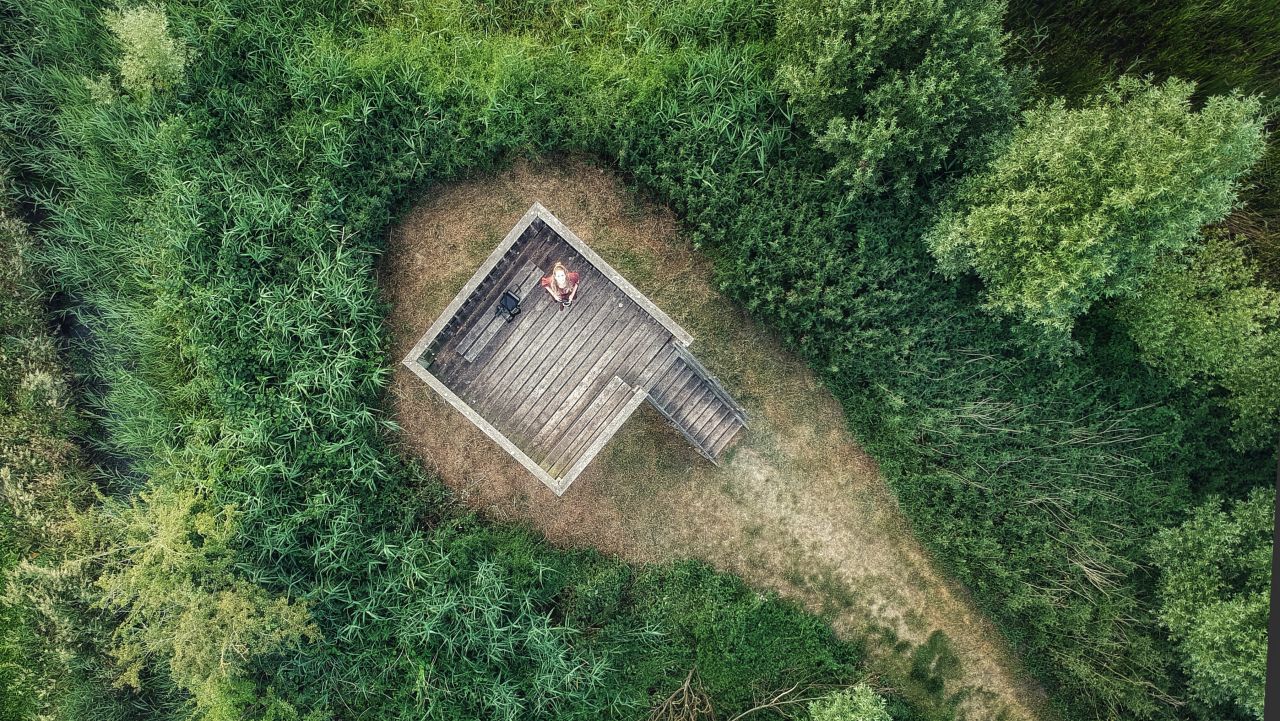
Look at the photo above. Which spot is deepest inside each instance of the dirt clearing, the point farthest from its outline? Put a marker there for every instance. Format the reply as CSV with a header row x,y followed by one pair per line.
x,y
796,506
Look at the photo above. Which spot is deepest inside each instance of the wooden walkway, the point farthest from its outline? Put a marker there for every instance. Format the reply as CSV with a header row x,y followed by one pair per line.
x,y
556,384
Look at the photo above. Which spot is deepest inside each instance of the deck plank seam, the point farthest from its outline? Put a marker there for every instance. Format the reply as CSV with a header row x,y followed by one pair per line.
x,y
532,360
556,426
617,327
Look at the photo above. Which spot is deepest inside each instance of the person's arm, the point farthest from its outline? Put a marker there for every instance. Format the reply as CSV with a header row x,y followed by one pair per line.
x,y
549,286
573,292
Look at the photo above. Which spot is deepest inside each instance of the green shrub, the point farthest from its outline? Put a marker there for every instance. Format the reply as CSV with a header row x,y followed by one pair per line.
x,y
152,60
739,646
182,607
897,92
1253,385
857,704
51,639
1215,587
1196,312
1201,315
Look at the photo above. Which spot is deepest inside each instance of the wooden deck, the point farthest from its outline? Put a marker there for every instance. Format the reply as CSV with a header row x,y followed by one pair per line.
x,y
555,384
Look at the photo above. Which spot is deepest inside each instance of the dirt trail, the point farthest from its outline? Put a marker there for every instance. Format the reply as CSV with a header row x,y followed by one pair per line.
x,y
797,506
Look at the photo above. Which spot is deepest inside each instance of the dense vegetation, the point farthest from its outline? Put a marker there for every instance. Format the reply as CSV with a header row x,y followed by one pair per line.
x,y
1084,202
212,180
50,648
1078,46
146,592
259,552
1215,592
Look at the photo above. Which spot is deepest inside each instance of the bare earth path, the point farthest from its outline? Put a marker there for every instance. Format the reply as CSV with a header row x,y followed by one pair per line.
x,y
797,507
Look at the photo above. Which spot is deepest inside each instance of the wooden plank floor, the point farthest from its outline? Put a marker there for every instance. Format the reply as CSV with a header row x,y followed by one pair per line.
x,y
553,381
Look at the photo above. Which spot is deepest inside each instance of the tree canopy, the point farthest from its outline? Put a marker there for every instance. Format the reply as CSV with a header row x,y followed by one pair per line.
x,y
1201,314
1083,202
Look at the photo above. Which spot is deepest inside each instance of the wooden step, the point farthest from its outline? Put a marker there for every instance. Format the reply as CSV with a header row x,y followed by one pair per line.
x,y
709,424
691,385
699,402
698,428
674,378
711,380
721,441
697,406
723,423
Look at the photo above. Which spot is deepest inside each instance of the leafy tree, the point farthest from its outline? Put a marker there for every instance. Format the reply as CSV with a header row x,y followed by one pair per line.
x,y
182,601
1254,386
900,90
152,59
1083,202
1201,314
1196,312
1214,595
859,703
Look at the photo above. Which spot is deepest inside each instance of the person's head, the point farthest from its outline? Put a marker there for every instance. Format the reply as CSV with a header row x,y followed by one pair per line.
x,y
560,275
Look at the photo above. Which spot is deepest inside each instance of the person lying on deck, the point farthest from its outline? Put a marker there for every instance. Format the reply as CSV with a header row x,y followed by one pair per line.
x,y
561,284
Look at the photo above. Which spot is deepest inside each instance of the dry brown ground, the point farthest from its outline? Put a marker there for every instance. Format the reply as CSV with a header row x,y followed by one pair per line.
x,y
797,507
